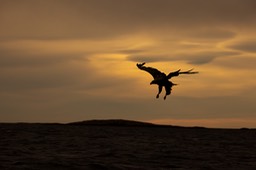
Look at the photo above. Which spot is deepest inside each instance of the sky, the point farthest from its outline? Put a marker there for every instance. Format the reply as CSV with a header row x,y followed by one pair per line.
x,y
72,60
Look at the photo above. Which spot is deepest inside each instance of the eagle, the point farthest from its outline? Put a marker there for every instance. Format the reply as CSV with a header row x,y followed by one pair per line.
x,y
161,79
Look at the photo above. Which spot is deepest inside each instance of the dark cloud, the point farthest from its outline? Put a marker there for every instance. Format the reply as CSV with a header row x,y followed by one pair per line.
x,y
193,57
25,58
74,76
25,79
238,62
147,58
24,69
211,34
99,19
246,46
207,56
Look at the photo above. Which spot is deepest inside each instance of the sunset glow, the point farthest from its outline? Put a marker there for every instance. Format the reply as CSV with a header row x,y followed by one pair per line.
x,y
64,61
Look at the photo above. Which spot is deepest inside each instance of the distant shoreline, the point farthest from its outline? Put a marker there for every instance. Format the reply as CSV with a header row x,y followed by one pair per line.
x,y
120,123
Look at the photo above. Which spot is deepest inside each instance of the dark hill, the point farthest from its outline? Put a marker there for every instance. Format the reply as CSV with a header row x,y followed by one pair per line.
x,y
112,122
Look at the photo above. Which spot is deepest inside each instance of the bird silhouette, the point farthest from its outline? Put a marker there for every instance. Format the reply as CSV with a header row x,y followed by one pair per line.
x,y
161,79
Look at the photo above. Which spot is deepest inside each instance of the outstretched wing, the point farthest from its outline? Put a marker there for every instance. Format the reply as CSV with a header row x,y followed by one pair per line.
x,y
154,72
178,72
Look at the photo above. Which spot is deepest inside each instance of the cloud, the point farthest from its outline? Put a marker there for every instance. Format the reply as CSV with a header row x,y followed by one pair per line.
x,y
147,58
36,78
240,62
23,58
244,45
196,57
210,34
96,19
35,66
205,57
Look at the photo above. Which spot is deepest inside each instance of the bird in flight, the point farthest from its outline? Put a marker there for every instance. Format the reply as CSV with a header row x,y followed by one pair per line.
x,y
161,79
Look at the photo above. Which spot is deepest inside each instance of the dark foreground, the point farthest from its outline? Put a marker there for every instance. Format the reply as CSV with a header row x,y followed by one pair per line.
x,y
78,146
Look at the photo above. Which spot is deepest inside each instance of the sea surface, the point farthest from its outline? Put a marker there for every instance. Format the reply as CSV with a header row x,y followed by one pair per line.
x,y
71,146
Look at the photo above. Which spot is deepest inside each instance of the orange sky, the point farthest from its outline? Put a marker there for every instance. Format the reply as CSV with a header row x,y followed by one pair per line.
x,y
71,60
